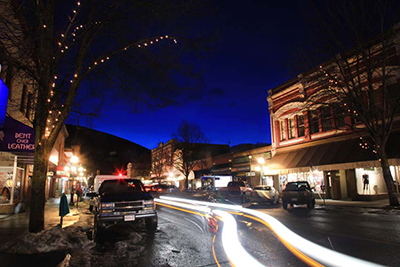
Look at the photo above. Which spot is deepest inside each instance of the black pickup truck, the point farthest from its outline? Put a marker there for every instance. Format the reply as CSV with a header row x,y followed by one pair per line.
x,y
298,193
123,201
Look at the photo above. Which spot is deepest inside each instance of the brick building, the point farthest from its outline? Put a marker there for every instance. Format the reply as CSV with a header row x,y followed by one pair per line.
x,y
318,143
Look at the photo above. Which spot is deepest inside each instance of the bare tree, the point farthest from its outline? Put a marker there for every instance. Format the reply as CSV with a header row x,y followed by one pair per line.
x,y
71,50
361,83
160,163
188,152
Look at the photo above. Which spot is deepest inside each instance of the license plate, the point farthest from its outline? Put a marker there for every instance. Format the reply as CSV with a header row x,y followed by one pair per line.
x,y
129,218
294,199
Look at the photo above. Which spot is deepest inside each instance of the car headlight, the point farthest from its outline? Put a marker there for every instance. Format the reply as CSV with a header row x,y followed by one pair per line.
x,y
106,205
105,211
149,204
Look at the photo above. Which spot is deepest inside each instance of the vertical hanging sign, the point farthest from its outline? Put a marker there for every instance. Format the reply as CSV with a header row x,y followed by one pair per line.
x,y
3,103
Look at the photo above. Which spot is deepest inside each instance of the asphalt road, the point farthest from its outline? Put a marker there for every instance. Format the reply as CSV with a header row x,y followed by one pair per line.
x,y
182,239
372,235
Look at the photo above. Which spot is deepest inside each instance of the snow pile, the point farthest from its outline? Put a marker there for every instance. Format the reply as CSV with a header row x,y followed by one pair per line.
x,y
54,239
82,251
128,251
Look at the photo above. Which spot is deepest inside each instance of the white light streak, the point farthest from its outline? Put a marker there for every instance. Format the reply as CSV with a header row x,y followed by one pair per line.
x,y
319,253
230,241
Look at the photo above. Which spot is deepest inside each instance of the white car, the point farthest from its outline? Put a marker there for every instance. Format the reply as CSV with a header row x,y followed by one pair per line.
x,y
264,194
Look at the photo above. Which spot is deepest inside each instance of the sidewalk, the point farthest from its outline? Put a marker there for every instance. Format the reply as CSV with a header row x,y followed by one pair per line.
x,y
15,225
377,204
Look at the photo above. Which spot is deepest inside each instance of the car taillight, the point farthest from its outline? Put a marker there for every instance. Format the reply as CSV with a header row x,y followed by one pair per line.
x,y
159,190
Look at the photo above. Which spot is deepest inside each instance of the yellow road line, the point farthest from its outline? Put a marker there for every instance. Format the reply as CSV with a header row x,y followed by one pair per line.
x,y
184,210
197,213
213,250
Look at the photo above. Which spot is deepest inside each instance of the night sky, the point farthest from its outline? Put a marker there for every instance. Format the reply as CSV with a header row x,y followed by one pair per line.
x,y
255,52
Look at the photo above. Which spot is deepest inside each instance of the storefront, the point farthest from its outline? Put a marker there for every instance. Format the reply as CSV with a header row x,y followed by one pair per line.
x,y
16,163
337,170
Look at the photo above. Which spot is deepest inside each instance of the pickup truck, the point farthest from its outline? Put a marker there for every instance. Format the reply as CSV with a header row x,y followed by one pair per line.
x,y
123,201
236,190
298,193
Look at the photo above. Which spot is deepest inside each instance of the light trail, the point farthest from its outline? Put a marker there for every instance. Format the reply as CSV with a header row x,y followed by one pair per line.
x,y
305,250
237,255
230,241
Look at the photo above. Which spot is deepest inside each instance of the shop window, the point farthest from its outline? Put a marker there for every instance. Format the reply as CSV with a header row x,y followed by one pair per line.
x,y
282,130
314,121
300,125
291,130
326,118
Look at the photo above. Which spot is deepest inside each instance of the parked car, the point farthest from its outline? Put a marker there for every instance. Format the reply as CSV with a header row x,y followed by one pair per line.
x,y
236,190
264,194
298,193
164,188
149,188
123,201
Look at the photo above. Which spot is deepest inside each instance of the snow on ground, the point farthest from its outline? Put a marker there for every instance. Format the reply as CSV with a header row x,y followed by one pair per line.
x,y
54,239
122,246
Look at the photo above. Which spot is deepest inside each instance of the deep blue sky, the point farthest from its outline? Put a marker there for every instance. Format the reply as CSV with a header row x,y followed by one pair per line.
x,y
258,40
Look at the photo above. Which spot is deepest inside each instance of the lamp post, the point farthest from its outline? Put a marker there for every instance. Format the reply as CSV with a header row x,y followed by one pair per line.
x,y
74,160
261,161
251,179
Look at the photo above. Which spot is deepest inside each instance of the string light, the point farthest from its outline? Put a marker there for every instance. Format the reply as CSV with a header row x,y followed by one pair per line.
x,y
150,42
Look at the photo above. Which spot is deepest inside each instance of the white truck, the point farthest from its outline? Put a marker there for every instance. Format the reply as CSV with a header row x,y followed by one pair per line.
x,y
98,180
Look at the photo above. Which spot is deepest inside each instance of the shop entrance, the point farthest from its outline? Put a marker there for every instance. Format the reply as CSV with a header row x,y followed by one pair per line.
x,y
333,181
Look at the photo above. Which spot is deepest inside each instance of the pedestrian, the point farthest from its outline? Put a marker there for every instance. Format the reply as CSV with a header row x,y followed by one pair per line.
x,y
78,194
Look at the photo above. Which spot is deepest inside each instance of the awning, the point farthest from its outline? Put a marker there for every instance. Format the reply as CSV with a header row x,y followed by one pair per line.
x,y
332,156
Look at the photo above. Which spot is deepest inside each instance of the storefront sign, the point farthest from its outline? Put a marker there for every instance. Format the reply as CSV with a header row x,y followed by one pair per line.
x,y
17,137
61,173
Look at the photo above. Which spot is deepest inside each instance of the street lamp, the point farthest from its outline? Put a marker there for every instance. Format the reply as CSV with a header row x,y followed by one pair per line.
x,y
74,159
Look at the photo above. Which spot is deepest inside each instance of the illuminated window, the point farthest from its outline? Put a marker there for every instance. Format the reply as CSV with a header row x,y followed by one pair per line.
x,y
300,125
282,128
291,129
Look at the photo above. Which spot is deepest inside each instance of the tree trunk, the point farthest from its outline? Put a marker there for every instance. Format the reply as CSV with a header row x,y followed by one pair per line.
x,y
393,200
38,196
187,182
